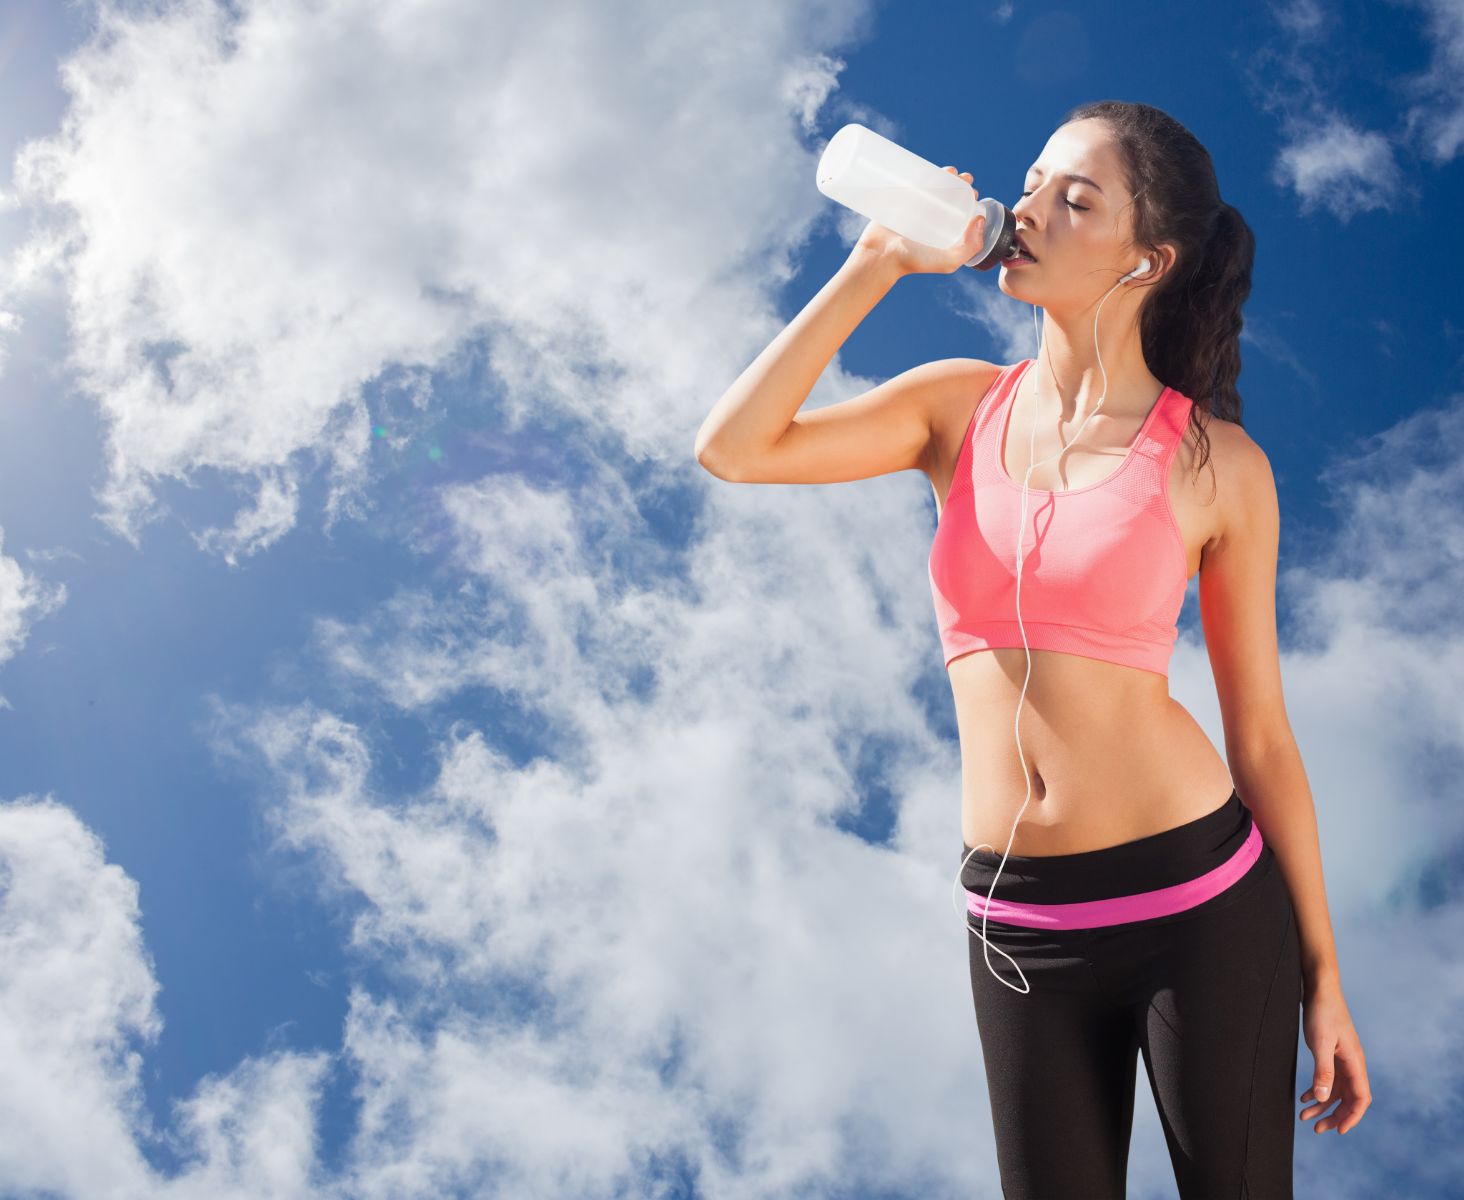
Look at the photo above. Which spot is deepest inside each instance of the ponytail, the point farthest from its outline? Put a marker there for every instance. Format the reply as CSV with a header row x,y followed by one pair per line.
x,y
1190,330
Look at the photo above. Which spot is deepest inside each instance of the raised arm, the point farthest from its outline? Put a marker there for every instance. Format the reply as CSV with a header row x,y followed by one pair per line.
x,y
755,432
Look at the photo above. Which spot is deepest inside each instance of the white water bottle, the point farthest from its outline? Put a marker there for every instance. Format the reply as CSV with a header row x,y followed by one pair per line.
x,y
910,196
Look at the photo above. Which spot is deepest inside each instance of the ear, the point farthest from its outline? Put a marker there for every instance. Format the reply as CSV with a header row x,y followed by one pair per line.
x,y
1164,254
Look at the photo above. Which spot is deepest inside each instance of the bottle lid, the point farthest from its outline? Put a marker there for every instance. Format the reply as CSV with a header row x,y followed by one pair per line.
x,y
1001,235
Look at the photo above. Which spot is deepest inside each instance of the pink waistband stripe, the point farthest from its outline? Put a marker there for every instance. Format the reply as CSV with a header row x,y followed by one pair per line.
x,y
1139,906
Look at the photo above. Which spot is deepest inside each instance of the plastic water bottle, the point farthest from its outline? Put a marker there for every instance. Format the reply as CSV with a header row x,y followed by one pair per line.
x,y
911,196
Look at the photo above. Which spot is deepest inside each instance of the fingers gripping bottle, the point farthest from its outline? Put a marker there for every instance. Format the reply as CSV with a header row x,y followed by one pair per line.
x,y
910,195
916,199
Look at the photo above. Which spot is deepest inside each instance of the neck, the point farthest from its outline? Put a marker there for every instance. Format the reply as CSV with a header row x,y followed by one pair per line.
x,y
1067,371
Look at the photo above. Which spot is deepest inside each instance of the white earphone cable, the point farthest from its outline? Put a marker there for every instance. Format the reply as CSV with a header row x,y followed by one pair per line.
x,y
1021,529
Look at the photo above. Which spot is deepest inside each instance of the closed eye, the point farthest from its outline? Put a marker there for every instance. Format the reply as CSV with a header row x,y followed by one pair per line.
x,y
1066,201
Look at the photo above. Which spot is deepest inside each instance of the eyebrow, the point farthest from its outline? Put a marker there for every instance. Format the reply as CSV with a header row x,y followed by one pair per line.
x,y
1074,178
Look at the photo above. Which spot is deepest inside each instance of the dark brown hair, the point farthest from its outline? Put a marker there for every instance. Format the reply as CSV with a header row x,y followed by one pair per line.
x,y
1190,327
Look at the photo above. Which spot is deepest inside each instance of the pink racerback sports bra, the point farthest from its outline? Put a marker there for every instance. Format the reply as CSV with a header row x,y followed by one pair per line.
x,y
1104,567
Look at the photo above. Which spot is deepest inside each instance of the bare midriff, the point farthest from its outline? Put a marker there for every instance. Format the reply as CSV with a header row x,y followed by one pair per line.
x,y
1110,756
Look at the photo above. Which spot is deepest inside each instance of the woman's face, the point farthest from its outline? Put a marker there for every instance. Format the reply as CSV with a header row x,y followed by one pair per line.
x,y
1081,232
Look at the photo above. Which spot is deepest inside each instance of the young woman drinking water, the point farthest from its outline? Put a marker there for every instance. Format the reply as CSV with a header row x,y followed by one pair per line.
x,y
1151,898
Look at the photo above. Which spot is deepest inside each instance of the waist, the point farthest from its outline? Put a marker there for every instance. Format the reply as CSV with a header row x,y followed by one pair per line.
x,y
1155,876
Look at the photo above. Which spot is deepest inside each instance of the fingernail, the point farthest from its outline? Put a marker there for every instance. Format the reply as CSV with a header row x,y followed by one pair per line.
x,y
1321,1093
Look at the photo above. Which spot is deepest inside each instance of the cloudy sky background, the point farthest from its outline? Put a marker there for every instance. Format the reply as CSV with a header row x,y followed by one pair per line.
x,y
419,778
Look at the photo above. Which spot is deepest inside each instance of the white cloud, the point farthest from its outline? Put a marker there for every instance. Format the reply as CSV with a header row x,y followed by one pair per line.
x,y
77,996
1327,158
75,987
24,600
1436,120
1332,164
252,220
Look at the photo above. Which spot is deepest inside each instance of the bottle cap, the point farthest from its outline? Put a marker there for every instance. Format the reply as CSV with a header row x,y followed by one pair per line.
x,y
1001,235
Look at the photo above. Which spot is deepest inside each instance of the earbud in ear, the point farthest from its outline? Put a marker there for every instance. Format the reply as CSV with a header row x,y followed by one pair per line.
x,y
1138,270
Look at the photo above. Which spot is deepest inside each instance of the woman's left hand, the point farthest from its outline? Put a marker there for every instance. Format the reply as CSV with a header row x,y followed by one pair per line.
x,y
1341,1070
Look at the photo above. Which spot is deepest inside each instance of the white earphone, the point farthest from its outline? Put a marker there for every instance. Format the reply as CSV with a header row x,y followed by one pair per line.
x,y
1020,556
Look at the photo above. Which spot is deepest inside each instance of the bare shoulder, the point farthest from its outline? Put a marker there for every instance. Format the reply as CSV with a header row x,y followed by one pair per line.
x,y
969,380
951,412
1244,483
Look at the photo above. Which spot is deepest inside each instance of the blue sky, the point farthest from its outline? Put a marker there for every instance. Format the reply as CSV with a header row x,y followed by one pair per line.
x,y
418,777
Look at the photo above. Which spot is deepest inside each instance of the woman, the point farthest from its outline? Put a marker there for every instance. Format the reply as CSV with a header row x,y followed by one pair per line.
x,y
1141,911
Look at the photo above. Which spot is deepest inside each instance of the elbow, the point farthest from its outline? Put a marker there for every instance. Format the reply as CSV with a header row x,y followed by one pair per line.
x,y
707,456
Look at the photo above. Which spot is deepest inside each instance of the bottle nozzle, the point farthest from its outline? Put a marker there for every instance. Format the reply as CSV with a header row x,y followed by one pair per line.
x,y
1001,235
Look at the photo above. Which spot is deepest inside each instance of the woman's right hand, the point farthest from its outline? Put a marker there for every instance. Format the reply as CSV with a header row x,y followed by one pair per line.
x,y
914,258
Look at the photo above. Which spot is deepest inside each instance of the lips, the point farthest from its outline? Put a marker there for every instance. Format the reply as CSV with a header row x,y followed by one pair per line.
x,y
1022,246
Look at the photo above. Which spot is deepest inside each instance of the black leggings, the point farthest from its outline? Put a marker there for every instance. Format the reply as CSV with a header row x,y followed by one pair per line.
x,y
1210,995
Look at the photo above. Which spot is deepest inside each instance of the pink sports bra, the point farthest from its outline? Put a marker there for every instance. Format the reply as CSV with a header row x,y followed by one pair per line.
x,y
1104,567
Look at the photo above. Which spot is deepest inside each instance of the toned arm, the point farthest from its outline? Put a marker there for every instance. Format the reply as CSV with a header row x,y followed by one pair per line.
x,y
891,427
755,432
1238,600
1238,610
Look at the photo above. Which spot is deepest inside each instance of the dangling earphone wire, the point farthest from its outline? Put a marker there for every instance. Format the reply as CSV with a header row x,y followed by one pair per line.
x,y
1017,726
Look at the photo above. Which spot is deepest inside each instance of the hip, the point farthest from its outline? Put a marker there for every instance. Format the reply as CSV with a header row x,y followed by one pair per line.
x,y
1198,910
1193,867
